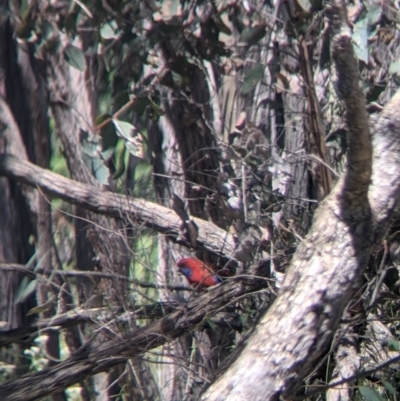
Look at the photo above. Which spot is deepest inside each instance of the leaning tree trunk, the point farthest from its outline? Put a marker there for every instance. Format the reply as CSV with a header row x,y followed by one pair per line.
x,y
328,265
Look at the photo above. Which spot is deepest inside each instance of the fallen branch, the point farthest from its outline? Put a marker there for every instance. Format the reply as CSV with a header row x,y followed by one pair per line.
x,y
92,359
96,316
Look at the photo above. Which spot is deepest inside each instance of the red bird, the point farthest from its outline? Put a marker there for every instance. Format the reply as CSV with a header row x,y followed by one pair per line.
x,y
198,273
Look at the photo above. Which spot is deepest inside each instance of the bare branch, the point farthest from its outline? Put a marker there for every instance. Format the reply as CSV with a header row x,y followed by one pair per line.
x,y
96,316
110,204
327,268
91,359
78,273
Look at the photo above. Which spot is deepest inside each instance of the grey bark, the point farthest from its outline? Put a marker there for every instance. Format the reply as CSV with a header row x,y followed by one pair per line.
x,y
347,365
327,267
18,207
36,98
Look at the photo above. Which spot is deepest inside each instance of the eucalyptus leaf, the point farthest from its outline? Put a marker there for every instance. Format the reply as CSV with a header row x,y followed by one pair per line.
x,y
389,388
25,289
393,345
42,308
374,14
135,148
157,109
109,137
253,34
252,78
370,394
360,40
394,67
212,324
108,30
124,129
120,151
100,170
75,57
305,5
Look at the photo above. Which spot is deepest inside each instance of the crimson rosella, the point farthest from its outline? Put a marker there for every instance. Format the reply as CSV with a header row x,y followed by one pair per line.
x,y
198,273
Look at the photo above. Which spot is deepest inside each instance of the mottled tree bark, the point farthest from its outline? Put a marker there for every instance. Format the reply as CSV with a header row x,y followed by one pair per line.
x,y
327,267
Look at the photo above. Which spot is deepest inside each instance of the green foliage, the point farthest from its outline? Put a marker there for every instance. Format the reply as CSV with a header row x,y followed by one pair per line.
x,y
75,57
389,388
109,30
370,394
393,345
363,30
252,78
360,39
394,67
144,265
93,157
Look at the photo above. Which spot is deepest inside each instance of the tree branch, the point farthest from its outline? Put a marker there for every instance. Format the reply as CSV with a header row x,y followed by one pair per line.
x,y
92,359
97,316
359,148
38,272
150,214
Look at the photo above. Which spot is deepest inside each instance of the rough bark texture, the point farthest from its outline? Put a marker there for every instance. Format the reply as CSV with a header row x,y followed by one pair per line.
x,y
263,162
347,364
327,267
17,206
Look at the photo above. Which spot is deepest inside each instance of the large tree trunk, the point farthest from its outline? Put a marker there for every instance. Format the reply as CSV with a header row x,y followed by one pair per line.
x,y
328,265
245,151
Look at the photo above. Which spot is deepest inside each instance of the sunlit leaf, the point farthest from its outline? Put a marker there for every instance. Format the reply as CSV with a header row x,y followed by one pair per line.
x,y
360,40
374,14
108,30
25,289
169,9
135,148
75,57
124,129
305,5
394,67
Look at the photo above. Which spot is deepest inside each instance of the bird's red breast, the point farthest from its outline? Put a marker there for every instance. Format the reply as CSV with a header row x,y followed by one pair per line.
x,y
198,273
